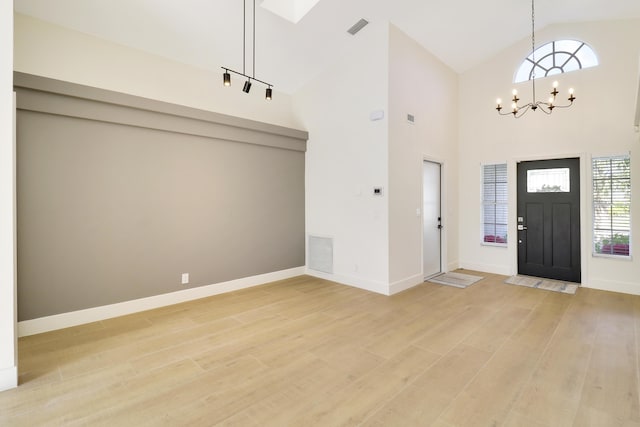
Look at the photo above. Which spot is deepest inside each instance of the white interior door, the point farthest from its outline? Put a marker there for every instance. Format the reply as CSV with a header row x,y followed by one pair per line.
x,y
431,216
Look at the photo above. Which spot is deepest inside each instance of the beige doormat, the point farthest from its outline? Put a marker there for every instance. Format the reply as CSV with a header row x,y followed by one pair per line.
x,y
458,280
540,283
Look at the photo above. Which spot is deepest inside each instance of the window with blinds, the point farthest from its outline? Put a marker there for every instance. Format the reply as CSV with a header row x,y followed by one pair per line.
x,y
611,205
494,204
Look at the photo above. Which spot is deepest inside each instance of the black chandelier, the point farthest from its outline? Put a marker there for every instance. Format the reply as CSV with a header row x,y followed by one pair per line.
x,y
547,107
226,77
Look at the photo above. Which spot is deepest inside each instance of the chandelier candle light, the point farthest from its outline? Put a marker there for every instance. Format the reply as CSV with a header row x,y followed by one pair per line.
x,y
226,76
546,107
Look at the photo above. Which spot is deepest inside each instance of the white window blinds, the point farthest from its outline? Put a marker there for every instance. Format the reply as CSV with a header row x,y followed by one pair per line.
x,y
494,204
611,205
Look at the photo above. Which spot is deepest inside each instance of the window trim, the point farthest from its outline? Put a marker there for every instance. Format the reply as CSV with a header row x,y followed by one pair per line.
x,y
595,254
482,205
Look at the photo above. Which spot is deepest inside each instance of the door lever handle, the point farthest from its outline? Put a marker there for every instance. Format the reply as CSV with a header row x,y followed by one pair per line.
x,y
521,227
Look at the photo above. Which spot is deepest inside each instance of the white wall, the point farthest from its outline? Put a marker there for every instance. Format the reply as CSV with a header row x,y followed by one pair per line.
x,y
8,349
52,51
421,85
347,156
600,123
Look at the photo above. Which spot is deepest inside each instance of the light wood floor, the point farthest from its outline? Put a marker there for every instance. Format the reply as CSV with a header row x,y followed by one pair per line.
x,y
307,352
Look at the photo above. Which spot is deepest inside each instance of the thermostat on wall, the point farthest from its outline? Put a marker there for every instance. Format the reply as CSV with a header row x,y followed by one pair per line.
x,y
376,115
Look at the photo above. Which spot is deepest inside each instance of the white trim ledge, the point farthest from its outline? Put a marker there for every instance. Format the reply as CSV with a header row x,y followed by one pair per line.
x,y
80,317
404,284
454,265
367,285
8,378
487,268
613,286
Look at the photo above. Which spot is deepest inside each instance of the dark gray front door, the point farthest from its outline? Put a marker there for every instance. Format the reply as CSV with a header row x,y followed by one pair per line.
x,y
549,219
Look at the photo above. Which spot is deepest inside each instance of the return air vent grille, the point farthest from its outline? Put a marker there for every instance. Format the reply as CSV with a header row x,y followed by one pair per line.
x,y
357,27
321,254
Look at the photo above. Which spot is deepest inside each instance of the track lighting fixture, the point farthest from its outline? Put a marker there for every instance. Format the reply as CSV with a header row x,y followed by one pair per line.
x,y
226,77
247,84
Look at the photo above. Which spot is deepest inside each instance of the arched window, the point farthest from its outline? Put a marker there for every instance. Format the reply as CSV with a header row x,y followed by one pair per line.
x,y
560,56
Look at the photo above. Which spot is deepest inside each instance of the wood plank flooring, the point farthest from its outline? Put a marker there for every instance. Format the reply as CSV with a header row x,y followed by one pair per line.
x,y
308,352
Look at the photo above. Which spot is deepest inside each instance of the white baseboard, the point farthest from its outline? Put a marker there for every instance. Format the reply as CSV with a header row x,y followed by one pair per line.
x,y
80,317
356,282
404,284
613,286
453,266
487,268
8,378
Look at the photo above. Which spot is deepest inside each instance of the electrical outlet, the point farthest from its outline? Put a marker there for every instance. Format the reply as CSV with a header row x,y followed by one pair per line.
x,y
185,278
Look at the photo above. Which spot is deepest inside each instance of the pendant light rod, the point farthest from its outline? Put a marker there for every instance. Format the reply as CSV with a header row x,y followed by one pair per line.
x,y
244,36
533,46
254,38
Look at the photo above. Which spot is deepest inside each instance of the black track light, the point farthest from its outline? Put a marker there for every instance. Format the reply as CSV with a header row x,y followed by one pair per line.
x,y
247,84
226,80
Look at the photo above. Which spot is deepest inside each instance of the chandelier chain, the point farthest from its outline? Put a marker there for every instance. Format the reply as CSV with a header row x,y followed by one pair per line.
x,y
533,47
533,33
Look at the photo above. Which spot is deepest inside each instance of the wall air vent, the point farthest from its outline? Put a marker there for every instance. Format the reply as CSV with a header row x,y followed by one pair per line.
x,y
320,254
357,27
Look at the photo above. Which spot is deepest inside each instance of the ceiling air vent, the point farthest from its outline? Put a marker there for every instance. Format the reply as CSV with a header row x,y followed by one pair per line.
x,y
357,27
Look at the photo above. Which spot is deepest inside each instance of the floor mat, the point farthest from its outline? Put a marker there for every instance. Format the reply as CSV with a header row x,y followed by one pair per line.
x,y
546,284
458,280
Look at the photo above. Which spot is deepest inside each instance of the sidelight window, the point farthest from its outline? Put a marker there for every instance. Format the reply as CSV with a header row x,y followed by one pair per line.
x,y
494,204
612,206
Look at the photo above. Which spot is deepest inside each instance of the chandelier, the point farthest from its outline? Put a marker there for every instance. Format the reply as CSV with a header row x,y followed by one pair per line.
x,y
226,76
547,107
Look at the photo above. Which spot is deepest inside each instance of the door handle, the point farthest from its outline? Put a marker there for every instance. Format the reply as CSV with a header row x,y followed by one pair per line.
x,y
521,227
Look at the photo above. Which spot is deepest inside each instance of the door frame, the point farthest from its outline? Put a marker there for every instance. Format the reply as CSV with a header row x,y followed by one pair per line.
x,y
585,213
444,265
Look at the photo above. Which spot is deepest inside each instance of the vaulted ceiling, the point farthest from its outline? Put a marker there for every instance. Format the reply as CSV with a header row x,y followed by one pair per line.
x,y
209,33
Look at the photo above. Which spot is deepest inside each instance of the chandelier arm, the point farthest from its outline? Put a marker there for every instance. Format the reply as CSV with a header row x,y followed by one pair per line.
x,y
544,107
522,110
563,106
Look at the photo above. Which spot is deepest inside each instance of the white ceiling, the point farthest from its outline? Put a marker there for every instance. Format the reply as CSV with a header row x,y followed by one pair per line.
x,y
208,33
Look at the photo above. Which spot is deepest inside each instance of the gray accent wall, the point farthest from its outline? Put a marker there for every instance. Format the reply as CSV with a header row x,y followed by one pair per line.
x,y
120,195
